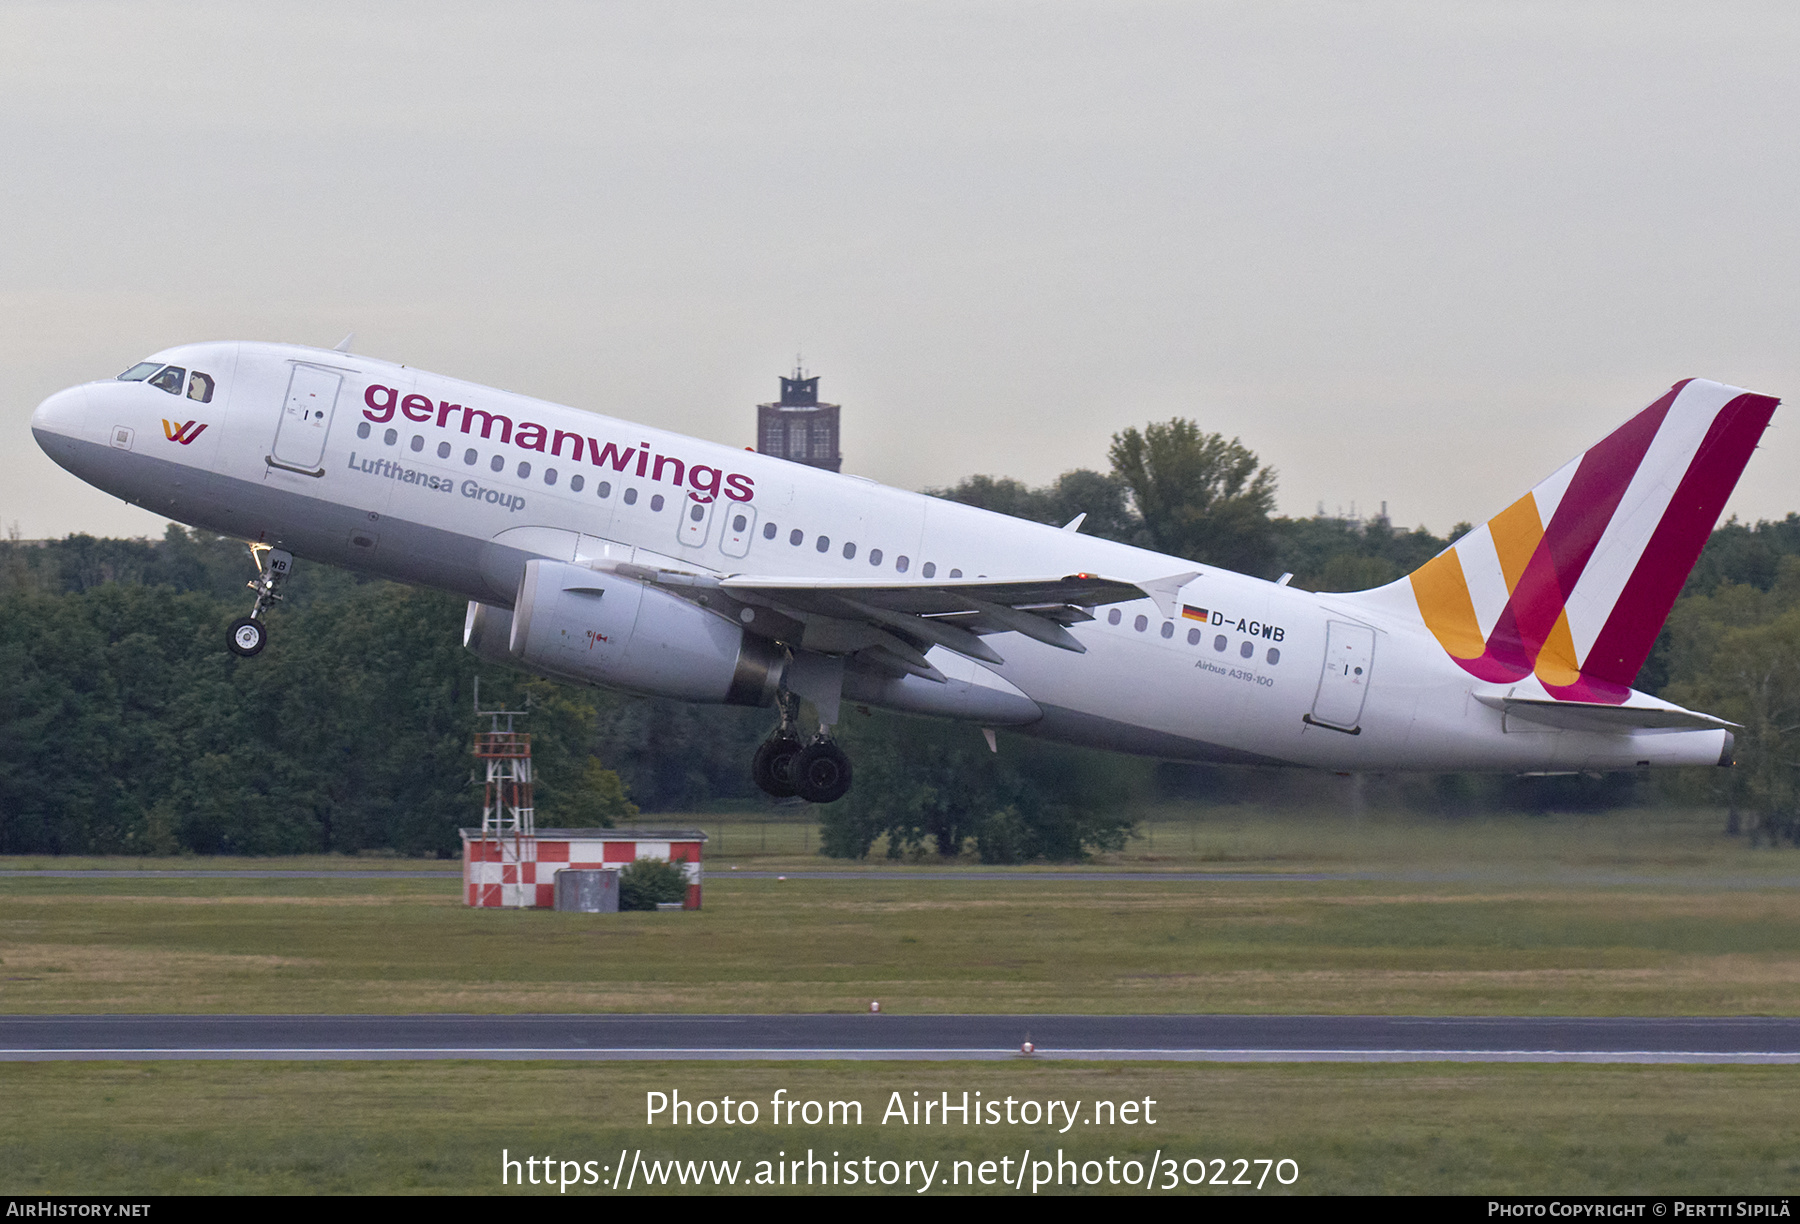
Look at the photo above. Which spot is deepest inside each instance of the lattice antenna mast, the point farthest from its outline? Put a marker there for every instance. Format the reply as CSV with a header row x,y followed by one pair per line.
x,y
505,755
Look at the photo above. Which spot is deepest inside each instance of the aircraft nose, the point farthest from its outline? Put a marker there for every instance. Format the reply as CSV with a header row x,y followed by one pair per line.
x,y
58,424
62,415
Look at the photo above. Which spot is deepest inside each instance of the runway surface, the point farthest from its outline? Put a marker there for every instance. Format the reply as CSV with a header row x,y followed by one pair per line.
x,y
1570,878
1183,1038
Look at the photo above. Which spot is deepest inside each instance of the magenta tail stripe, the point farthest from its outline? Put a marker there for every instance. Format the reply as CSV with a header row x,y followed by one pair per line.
x,y
1569,540
1625,640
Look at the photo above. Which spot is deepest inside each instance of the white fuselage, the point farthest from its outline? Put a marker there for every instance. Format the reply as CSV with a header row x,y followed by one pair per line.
x,y
423,497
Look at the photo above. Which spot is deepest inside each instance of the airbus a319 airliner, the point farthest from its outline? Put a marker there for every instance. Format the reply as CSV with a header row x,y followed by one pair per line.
x,y
601,551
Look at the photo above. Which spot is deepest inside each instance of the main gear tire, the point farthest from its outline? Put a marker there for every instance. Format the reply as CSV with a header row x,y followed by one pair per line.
x,y
821,772
773,767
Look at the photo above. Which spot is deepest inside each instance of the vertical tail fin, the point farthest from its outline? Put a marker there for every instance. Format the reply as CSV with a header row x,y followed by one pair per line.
x,y
1573,581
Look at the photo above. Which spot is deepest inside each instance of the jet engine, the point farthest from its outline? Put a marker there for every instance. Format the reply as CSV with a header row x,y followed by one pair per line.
x,y
576,622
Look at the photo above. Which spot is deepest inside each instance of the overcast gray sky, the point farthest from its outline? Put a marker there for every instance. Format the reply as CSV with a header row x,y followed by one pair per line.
x,y
1415,252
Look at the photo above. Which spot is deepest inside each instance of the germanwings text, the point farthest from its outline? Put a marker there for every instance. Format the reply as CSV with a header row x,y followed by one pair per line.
x,y
703,481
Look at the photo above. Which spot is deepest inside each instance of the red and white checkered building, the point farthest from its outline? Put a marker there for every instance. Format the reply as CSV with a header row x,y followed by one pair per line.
x,y
518,871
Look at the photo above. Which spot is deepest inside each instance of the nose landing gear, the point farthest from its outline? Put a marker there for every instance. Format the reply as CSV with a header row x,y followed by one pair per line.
x,y
248,635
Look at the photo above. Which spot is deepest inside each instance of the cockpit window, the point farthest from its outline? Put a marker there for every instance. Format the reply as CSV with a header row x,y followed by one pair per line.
x,y
140,371
170,379
200,387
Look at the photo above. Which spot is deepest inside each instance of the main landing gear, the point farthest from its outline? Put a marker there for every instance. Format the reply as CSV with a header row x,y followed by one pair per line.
x,y
817,772
248,635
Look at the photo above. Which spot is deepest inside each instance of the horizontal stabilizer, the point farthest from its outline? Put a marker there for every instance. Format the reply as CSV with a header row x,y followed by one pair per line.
x,y
1645,714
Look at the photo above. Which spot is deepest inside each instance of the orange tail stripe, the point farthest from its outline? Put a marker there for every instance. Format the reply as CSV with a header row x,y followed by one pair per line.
x,y
1443,595
1516,531
1556,661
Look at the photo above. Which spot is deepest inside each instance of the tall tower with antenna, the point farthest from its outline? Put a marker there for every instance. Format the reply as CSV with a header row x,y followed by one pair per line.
x,y
508,824
797,426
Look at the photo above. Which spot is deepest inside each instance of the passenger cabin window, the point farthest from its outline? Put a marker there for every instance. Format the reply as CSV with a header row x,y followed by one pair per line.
x,y
769,530
930,570
200,387
900,563
575,483
631,497
1113,617
824,544
140,371
443,450
169,379
849,551
656,504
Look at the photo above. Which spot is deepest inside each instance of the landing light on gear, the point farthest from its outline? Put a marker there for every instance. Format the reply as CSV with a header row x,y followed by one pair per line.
x,y
248,634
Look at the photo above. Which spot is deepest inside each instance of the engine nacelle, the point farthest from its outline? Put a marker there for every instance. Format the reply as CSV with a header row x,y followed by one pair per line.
x,y
574,621
487,631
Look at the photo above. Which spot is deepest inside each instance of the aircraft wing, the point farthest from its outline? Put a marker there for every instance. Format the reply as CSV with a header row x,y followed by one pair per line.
x,y
905,619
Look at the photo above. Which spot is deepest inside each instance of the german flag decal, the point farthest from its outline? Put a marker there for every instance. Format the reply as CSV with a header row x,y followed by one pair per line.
x,y
1192,613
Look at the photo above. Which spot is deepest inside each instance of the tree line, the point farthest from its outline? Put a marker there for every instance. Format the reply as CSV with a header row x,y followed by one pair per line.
x,y
126,727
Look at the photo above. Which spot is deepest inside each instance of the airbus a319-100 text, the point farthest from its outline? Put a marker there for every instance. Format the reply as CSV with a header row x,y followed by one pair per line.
x,y
601,551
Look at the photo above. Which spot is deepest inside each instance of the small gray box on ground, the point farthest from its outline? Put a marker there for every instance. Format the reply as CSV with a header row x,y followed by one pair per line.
x,y
587,891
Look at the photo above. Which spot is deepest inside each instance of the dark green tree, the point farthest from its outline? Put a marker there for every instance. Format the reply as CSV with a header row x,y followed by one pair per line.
x,y
934,787
1099,496
1198,495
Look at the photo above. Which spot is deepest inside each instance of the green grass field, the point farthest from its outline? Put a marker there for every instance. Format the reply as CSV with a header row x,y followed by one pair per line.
x,y
1509,915
1645,841
173,1128
1645,913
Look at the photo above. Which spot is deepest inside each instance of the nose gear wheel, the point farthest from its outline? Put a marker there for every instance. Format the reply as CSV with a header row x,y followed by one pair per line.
x,y
248,635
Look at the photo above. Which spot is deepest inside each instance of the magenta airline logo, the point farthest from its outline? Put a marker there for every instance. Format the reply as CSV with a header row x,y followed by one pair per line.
x,y
702,481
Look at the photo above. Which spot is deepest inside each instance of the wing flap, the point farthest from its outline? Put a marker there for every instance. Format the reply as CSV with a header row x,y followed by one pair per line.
x,y
937,598
843,616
